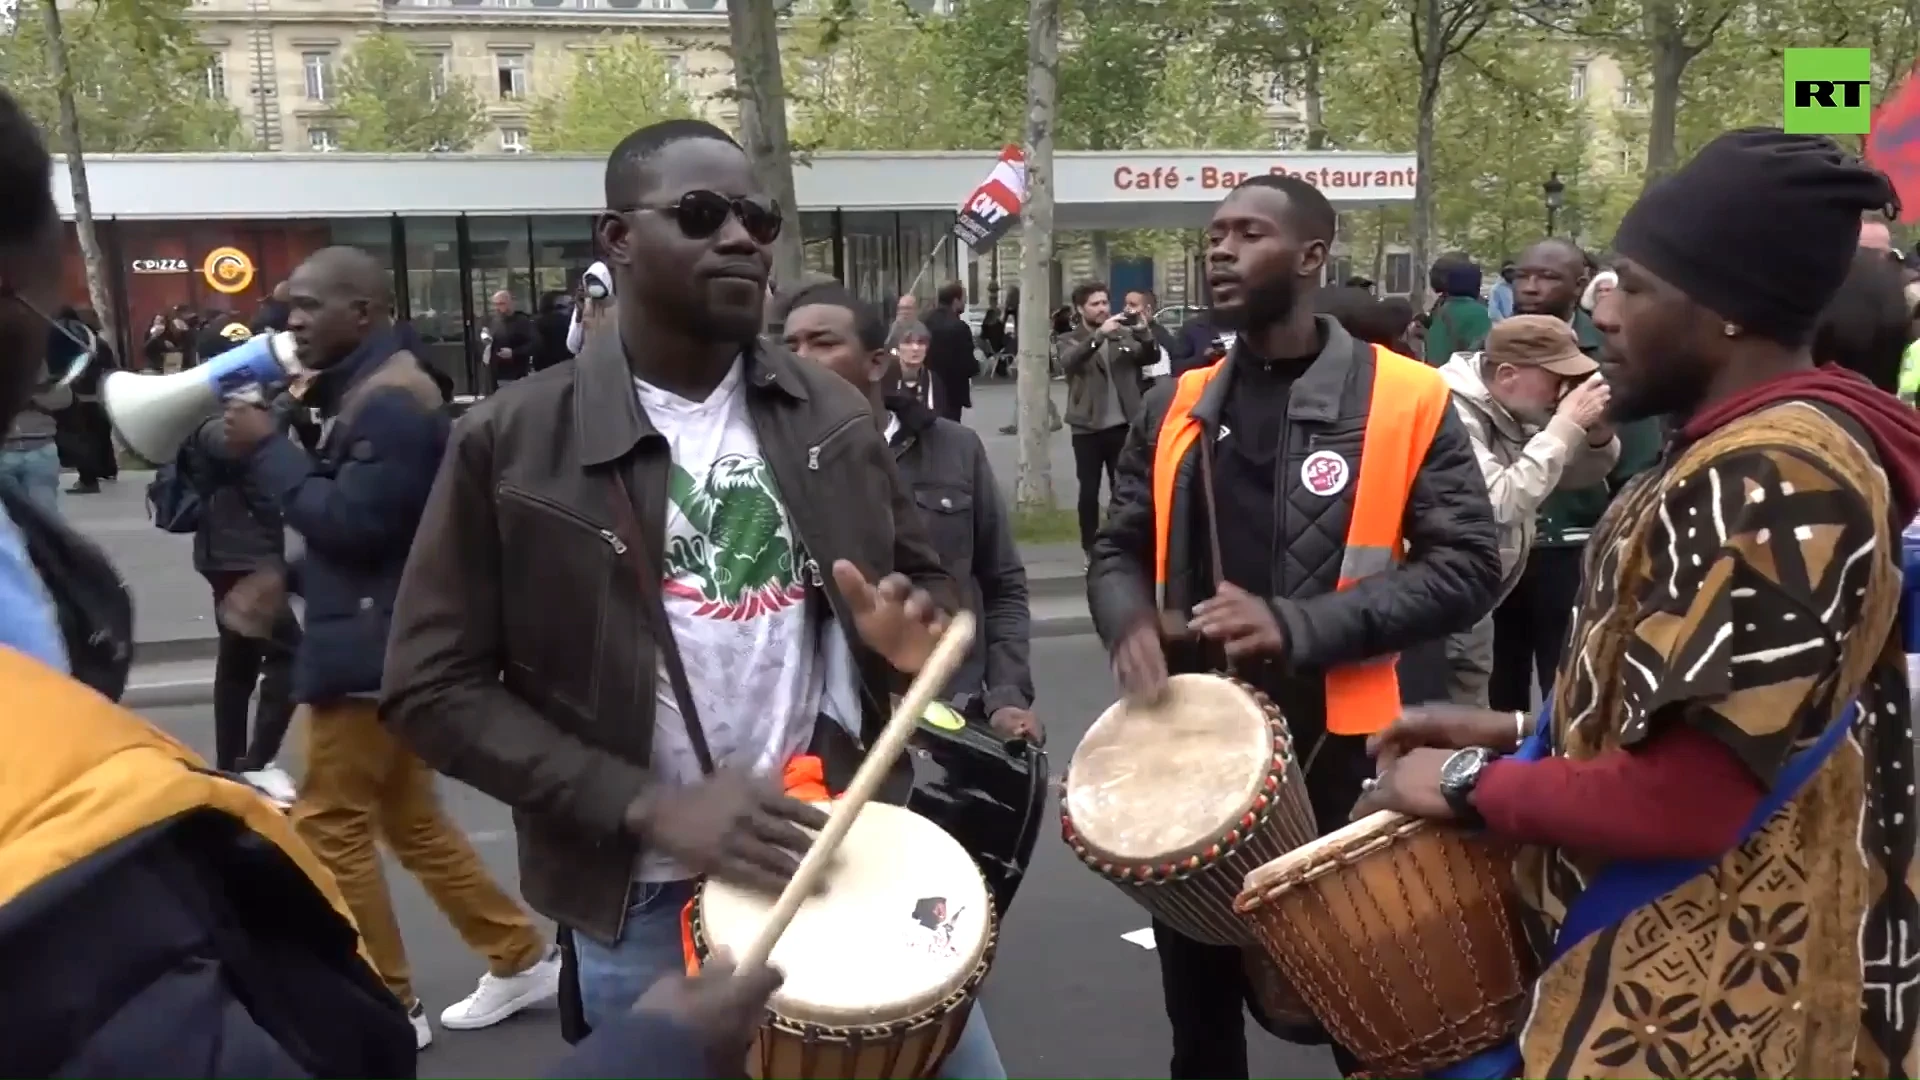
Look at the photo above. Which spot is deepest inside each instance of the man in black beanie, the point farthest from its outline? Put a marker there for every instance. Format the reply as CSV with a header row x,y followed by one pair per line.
x,y
1718,801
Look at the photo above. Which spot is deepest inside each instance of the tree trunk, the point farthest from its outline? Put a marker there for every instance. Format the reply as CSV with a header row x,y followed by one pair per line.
x,y
1313,101
1422,237
1432,58
98,291
1670,57
755,29
1034,488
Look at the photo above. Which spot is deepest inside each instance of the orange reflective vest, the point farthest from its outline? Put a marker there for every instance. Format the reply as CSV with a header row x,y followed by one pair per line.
x,y
1409,400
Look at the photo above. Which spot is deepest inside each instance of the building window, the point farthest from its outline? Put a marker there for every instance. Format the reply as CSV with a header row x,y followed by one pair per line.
x,y
513,140
1628,98
1279,94
1578,90
1399,273
439,62
510,69
319,69
321,140
677,70
216,76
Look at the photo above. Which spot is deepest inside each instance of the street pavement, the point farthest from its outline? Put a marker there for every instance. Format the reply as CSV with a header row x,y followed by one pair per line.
x,y
1068,996
174,627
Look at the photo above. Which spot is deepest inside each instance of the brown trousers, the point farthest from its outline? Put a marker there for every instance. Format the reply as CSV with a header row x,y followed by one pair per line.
x,y
360,781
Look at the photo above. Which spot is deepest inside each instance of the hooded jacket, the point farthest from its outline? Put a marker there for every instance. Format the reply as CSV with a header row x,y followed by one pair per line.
x,y
1522,464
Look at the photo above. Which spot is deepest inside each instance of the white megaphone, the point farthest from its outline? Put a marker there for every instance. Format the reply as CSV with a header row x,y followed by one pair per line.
x,y
154,414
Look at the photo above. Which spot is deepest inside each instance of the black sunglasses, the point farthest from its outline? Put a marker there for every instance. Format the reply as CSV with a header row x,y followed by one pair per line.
x,y
702,213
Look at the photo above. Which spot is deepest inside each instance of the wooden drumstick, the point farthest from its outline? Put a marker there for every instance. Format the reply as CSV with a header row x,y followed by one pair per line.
x,y
948,653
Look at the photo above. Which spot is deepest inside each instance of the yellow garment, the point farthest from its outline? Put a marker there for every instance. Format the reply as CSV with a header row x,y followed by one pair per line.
x,y
80,773
1910,373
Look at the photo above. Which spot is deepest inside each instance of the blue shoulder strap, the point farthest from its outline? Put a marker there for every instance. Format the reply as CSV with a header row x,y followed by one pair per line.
x,y
1624,886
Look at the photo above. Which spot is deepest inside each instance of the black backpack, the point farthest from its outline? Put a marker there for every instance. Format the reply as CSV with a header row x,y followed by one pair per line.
x,y
175,502
194,947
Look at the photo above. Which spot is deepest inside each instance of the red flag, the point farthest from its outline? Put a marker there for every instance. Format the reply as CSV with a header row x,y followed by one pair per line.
x,y
1893,147
994,206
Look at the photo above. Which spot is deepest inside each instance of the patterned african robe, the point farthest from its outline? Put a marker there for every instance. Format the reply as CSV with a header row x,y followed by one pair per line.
x,y
1746,587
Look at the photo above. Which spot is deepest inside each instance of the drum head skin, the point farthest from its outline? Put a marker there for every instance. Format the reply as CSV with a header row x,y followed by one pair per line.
x,y
903,923
1293,867
1154,784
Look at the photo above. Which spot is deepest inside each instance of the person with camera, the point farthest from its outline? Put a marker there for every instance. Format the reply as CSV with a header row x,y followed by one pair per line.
x,y
1103,355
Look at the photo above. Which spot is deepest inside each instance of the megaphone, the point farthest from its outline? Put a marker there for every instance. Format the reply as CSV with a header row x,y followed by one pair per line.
x,y
154,414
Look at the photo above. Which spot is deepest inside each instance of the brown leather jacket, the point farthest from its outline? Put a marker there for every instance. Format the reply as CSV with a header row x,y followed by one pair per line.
x,y
522,657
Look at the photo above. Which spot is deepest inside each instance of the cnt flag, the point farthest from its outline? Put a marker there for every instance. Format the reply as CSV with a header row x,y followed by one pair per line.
x,y
995,205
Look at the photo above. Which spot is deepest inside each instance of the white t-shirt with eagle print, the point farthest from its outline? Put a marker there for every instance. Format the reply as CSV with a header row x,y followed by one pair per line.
x,y
736,599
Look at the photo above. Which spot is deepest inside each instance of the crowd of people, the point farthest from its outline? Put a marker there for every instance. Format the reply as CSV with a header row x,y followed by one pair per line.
x,y
656,597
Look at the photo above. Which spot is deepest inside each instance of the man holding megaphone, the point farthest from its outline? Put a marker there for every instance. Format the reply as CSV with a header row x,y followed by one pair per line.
x,y
356,506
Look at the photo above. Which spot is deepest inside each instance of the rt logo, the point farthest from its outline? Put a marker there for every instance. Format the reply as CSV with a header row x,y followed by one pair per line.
x,y
1828,92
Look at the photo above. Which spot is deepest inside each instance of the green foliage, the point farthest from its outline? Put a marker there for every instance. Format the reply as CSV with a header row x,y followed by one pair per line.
x,y
139,78
856,84
621,84
393,98
875,74
1503,121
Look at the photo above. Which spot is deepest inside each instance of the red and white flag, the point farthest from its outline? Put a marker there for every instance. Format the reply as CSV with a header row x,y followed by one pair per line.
x,y
995,205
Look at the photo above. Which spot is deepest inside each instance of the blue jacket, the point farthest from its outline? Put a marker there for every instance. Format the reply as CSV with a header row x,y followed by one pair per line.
x,y
356,505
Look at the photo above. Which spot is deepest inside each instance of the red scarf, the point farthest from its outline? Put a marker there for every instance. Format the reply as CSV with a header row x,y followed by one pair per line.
x,y
1893,425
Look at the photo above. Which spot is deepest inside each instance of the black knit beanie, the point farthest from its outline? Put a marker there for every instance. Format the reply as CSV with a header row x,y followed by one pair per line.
x,y
1760,228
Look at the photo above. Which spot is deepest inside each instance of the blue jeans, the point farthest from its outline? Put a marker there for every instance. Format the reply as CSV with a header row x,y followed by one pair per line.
x,y
612,979
36,473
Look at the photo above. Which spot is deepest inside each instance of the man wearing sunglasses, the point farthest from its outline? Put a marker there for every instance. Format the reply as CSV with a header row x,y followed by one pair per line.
x,y
682,472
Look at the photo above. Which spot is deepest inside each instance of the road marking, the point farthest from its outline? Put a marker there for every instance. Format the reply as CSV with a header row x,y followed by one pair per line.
x,y
1142,937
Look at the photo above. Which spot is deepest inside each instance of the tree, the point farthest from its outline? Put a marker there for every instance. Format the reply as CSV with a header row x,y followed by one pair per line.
x,y
137,71
1439,30
754,28
1654,39
873,80
394,99
118,76
99,296
1033,489
619,85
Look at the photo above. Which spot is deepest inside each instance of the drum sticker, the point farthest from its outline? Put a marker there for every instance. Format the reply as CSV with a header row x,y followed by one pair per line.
x,y
932,929
1325,473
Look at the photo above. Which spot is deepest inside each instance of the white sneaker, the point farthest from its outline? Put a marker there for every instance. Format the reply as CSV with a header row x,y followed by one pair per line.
x,y
498,997
274,783
422,1031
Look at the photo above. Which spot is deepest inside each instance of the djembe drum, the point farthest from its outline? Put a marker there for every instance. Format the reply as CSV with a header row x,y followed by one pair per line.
x,y
881,969
1400,935
1175,802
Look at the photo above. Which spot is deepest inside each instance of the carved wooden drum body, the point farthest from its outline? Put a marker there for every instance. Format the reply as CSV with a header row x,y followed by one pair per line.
x,y
1400,935
881,969
1175,802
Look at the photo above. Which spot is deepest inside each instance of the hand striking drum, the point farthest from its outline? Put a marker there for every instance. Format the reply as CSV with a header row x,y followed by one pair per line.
x,y
882,968
1176,800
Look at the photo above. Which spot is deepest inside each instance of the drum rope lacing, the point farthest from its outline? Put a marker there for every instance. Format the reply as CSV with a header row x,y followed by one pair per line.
x,y
1250,824
932,1016
1464,1035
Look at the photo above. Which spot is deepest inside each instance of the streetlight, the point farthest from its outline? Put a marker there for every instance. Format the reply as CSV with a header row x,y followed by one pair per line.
x,y
1556,193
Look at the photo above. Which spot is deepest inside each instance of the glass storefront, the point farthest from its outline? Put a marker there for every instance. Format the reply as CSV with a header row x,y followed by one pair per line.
x,y
445,270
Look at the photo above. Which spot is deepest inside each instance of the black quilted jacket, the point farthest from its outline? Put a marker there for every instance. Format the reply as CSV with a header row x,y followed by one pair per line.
x,y
1446,583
